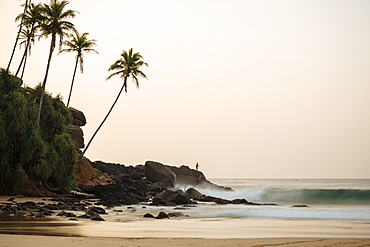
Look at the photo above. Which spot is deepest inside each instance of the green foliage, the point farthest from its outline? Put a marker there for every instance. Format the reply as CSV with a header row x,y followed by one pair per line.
x,y
44,153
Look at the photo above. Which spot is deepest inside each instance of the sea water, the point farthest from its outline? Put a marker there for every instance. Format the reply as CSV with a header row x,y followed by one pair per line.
x,y
336,199
333,208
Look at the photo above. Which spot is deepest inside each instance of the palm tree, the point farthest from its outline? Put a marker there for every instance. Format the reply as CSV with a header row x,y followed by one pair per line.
x,y
79,44
19,32
31,18
54,25
128,65
27,38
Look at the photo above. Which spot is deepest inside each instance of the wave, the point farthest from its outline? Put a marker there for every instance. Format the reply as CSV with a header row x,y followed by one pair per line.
x,y
297,196
287,212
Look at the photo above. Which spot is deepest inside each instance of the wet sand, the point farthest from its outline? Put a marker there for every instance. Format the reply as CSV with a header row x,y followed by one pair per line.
x,y
45,241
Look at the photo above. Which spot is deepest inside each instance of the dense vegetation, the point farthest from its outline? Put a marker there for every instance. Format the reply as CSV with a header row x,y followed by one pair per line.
x,y
34,145
44,153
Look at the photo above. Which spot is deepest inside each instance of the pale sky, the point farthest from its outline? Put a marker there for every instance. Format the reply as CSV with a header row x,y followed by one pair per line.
x,y
249,89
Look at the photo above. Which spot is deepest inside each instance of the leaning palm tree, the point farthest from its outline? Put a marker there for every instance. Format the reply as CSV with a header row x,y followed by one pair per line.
x,y
32,17
19,33
80,44
54,25
128,65
27,38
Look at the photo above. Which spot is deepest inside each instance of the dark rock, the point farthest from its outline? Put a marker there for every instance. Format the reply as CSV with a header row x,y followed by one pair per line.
x,y
162,215
98,210
78,117
175,214
192,193
217,200
77,135
97,217
148,216
66,214
239,201
168,198
28,204
300,206
40,215
157,172
84,216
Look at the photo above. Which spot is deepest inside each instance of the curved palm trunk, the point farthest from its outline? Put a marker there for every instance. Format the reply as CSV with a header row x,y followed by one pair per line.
x,y
114,103
52,46
73,79
24,66
16,40
24,57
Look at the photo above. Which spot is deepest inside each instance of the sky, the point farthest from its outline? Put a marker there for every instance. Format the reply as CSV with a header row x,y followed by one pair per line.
x,y
246,88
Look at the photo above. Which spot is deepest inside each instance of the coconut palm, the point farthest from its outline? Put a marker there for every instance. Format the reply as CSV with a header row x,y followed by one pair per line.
x,y
32,17
54,25
80,44
128,65
19,32
27,38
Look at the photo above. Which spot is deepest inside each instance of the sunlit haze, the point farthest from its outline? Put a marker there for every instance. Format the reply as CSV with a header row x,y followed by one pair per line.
x,y
252,89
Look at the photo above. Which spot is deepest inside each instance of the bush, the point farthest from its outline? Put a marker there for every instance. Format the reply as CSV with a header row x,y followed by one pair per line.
x,y
43,153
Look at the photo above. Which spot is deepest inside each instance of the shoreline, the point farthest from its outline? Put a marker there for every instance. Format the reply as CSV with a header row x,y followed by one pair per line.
x,y
43,241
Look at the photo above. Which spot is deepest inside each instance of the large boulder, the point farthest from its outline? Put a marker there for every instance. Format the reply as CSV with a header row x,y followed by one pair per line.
x,y
77,135
78,117
157,172
187,176
170,198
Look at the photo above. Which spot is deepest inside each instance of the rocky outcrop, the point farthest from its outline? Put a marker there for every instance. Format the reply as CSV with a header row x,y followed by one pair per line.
x,y
157,172
170,176
78,117
171,198
74,128
187,176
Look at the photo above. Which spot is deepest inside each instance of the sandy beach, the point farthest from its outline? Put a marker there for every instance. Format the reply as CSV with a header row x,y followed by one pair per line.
x,y
41,241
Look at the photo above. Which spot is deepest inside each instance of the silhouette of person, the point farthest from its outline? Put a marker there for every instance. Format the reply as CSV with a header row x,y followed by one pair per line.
x,y
196,166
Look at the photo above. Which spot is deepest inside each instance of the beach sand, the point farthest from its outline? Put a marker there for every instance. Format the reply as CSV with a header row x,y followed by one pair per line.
x,y
46,241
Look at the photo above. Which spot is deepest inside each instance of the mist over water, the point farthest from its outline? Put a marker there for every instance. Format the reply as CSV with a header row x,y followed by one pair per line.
x,y
325,199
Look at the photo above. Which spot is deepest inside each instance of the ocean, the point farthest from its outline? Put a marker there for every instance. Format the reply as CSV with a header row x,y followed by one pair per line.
x,y
334,208
336,199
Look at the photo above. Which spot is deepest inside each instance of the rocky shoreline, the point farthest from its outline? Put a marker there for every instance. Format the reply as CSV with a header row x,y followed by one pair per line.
x,y
151,184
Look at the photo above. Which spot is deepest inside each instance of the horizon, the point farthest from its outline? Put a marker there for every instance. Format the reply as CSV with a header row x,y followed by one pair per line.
x,y
273,89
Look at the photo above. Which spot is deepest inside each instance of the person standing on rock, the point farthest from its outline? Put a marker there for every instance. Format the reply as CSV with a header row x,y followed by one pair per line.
x,y
196,166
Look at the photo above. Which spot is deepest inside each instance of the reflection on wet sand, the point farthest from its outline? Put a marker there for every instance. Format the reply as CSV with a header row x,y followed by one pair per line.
x,y
20,224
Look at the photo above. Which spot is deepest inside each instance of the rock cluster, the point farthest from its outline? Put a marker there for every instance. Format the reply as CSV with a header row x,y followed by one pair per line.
x,y
74,128
58,206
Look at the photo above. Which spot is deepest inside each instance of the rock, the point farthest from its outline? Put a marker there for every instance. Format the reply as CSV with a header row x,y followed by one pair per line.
x,y
187,176
98,210
84,216
77,135
175,214
148,215
78,117
192,193
162,215
217,200
157,172
66,214
300,206
97,217
169,198
239,201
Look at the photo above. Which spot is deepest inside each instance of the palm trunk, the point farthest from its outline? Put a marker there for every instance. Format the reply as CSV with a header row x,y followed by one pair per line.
x,y
16,40
73,79
24,66
114,103
52,46
24,53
